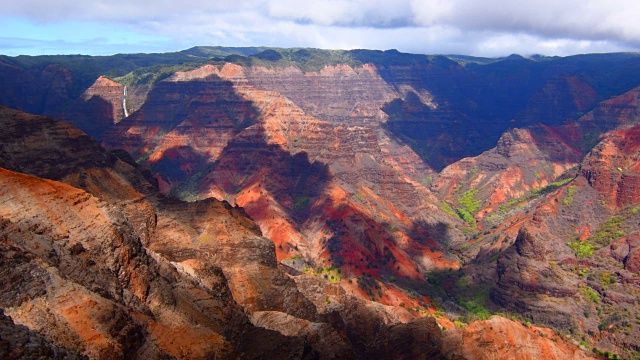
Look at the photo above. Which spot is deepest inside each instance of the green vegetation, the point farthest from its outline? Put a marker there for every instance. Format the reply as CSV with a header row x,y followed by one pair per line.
x,y
476,308
606,279
611,323
549,188
307,60
154,74
582,248
331,273
535,193
359,196
85,69
609,230
297,257
473,299
590,294
468,206
582,272
569,199
444,206
467,217
427,180
606,354
468,201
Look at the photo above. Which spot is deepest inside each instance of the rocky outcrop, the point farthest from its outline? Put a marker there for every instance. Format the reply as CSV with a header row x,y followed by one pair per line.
x,y
612,167
626,250
523,160
183,126
68,155
39,89
337,94
571,265
334,323
78,273
526,280
20,342
97,109
282,172
500,338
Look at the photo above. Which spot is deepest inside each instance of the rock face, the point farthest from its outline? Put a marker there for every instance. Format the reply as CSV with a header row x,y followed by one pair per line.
x,y
257,149
523,160
573,261
20,342
97,109
612,167
525,270
341,95
499,338
39,89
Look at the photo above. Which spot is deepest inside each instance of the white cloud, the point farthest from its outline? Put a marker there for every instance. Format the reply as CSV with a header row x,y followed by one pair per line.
x,y
491,27
368,13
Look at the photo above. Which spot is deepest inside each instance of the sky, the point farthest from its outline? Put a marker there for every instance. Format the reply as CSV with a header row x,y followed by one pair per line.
x,y
489,28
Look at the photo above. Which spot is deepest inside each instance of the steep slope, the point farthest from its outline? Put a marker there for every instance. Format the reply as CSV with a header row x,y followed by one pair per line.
x,y
78,271
523,160
499,338
20,342
444,108
568,258
331,214
274,167
612,166
37,89
97,109
530,160
49,148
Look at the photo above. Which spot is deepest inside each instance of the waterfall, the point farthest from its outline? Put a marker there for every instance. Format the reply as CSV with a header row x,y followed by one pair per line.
x,y
124,102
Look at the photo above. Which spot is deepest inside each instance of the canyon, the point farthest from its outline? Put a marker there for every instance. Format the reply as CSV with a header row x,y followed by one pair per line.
x,y
303,203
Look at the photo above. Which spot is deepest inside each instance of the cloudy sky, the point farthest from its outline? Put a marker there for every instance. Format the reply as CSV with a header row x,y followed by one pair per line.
x,y
481,28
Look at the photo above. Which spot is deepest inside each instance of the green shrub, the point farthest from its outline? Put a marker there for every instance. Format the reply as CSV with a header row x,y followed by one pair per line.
x,y
468,201
535,193
569,199
582,248
477,309
444,206
591,294
608,231
467,217
468,206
